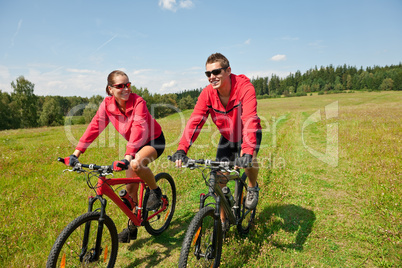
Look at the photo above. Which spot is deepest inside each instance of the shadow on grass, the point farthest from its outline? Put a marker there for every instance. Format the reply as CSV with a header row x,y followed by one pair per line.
x,y
289,218
267,235
165,243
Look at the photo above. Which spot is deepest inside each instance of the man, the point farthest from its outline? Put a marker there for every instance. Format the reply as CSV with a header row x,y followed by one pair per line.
x,y
231,101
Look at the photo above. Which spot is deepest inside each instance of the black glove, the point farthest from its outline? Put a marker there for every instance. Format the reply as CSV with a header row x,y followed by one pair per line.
x,y
245,161
71,161
179,155
120,165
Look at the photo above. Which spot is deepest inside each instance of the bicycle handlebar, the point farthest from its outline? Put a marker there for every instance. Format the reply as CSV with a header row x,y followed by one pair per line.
x,y
206,162
79,166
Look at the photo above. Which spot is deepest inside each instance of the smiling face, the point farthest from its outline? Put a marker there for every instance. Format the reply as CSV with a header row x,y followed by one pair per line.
x,y
120,94
221,80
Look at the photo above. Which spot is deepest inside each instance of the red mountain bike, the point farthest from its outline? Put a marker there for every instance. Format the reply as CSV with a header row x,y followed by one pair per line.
x,y
91,239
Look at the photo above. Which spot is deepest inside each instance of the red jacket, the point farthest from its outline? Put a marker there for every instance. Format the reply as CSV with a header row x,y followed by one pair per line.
x,y
137,125
237,122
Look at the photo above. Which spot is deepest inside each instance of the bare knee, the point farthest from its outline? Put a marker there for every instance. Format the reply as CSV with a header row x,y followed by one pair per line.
x,y
137,166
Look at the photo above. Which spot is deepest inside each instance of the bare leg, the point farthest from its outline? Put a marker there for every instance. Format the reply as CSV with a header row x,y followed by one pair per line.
x,y
252,172
139,168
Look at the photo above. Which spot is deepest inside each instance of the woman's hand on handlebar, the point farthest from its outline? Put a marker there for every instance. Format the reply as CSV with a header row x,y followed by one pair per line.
x,y
120,165
71,160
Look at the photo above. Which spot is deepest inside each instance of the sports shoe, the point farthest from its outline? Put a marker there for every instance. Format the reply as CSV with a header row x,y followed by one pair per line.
x,y
252,197
154,199
130,233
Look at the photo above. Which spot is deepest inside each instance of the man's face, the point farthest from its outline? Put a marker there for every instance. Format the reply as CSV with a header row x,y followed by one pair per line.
x,y
218,80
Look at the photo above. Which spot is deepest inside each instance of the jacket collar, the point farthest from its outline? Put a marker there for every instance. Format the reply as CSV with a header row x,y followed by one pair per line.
x,y
114,108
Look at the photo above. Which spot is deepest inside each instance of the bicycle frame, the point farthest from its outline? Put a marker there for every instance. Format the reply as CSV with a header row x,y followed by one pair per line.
x,y
104,188
215,191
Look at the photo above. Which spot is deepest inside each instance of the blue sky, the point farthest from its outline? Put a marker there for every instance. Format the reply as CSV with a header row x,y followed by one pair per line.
x,y
68,48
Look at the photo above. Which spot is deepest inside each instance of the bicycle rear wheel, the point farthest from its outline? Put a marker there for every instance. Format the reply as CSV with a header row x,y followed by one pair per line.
x,y
246,215
160,222
202,245
72,249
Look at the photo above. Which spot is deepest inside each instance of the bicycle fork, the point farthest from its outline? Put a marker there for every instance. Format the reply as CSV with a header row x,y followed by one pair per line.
x,y
95,252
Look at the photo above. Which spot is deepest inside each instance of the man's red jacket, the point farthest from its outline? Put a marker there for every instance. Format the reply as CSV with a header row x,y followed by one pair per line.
x,y
237,122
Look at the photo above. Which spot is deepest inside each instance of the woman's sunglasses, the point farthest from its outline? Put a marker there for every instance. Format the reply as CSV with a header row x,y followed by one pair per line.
x,y
120,86
214,72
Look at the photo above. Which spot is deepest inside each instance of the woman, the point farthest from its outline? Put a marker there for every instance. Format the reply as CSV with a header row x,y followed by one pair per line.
x,y
129,115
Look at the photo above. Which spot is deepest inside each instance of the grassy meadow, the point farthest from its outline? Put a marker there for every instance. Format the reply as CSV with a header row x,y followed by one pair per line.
x,y
330,179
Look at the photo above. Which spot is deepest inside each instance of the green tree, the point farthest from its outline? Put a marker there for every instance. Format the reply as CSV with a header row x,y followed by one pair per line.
x,y
90,111
9,115
387,84
51,114
349,82
26,101
186,103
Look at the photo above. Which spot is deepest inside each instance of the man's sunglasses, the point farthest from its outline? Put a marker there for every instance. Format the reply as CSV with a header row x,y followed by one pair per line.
x,y
214,72
120,86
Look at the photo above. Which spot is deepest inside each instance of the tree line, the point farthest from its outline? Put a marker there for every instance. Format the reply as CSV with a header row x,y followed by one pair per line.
x,y
23,109
330,79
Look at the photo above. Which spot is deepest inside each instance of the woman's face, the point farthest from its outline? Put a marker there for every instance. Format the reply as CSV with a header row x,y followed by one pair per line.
x,y
121,88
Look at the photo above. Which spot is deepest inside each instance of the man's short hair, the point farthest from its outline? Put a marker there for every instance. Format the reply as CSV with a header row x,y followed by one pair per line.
x,y
218,57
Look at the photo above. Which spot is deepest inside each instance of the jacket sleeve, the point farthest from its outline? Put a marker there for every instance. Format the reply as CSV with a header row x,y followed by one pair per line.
x,y
250,119
140,128
98,124
195,123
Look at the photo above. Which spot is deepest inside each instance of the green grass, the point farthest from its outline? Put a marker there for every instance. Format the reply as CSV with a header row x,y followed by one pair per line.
x,y
310,214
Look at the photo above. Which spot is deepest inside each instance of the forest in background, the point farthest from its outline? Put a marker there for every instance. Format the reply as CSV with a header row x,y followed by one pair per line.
x,y
23,109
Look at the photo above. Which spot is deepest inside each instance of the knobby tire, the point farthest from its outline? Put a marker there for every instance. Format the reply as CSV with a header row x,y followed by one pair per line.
x,y
68,246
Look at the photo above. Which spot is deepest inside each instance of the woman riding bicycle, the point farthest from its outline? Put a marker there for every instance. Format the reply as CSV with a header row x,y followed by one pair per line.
x,y
130,116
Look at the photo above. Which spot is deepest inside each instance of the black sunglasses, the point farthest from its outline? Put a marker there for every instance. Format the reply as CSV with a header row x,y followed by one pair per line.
x,y
214,72
120,86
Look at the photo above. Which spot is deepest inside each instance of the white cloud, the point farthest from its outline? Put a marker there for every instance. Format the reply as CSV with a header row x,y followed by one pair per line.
x,y
172,5
267,73
186,4
141,71
247,42
278,57
16,33
169,86
81,71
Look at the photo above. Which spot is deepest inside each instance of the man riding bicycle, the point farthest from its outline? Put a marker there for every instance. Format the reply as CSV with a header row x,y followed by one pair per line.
x,y
232,103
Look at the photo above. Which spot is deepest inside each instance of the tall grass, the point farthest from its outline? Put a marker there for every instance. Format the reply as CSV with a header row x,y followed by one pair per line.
x,y
310,214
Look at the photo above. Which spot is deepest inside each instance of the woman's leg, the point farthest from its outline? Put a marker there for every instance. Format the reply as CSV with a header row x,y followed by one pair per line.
x,y
132,188
139,165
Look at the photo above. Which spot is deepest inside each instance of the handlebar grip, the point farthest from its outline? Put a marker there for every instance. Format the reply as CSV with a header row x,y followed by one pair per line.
x,y
170,158
60,159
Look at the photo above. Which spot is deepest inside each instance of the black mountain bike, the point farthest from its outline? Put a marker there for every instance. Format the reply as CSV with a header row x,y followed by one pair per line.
x,y
202,245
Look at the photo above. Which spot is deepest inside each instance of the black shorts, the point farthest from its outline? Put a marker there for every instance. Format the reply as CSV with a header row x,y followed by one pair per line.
x,y
158,144
228,150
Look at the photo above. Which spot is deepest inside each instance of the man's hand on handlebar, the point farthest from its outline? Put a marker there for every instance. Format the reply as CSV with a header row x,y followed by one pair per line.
x,y
245,161
179,157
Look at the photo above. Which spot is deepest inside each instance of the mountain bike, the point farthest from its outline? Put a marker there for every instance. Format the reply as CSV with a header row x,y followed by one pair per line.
x,y
202,245
91,240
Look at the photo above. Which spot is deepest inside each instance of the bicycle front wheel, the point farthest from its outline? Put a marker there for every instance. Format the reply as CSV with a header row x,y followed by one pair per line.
x,y
161,221
76,245
202,245
246,215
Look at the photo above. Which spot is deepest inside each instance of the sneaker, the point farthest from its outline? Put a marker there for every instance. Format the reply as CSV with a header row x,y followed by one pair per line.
x,y
252,197
154,199
130,233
